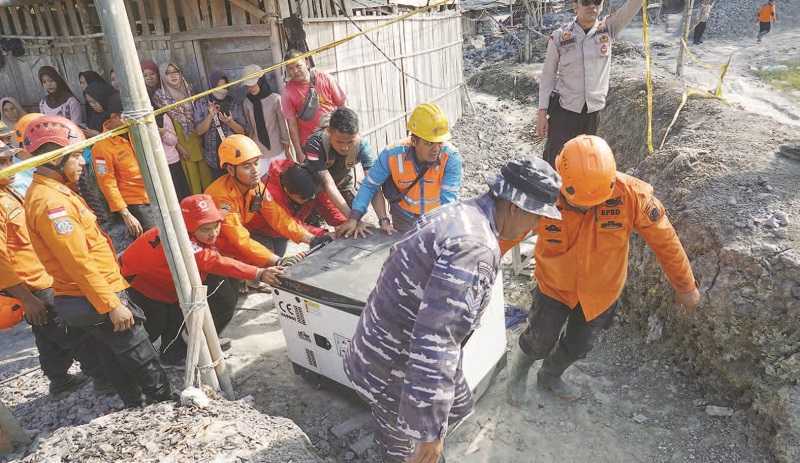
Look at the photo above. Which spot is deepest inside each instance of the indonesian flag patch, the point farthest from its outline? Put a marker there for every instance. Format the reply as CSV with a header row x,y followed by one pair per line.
x,y
56,213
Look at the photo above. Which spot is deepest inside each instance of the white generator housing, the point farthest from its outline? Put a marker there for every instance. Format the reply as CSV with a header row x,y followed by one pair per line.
x,y
320,301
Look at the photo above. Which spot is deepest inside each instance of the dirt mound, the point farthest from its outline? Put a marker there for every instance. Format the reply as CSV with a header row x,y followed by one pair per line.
x,y
734,203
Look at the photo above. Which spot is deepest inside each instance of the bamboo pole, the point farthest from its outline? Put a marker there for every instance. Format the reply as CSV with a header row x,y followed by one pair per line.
x,y
687,21
177,246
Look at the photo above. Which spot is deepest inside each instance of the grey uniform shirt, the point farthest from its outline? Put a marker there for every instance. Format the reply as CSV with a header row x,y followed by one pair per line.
x,y
578,63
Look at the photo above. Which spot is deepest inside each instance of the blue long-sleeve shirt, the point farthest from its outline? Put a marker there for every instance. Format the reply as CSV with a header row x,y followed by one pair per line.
x,y
380,172
431,293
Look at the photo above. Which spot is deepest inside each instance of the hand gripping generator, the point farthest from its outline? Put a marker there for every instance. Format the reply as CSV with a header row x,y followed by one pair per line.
x,y
320,300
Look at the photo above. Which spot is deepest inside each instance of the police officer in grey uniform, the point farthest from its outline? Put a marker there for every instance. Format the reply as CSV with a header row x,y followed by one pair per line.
x,y
574,81
405,356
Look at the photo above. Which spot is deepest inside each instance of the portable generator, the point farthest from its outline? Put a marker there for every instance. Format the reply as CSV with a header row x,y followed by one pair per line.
x,y
320,300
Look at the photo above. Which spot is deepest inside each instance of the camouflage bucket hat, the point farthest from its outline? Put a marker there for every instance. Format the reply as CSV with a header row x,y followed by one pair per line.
x,y
530,184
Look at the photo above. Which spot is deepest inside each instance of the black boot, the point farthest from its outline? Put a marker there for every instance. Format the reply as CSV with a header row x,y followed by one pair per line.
x,y
519,365
549,376
62,386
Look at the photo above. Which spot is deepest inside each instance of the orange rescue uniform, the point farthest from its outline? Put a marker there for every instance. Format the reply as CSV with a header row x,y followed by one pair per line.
x,y
70,245
18,261
144,263
583,258
766,13
234,239
118,173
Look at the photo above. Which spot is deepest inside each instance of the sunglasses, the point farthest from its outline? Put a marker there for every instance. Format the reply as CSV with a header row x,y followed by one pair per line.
x,y
591,2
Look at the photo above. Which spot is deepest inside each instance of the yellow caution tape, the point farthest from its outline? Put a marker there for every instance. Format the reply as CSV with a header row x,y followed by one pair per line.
x,y
689,92
648,75
45,158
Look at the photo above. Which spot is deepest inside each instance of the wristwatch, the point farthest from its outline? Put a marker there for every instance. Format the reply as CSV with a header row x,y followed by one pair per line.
x,y
383,220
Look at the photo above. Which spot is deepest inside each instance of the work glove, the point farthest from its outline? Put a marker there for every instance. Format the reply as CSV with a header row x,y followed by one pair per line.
x,y
320,240
288,261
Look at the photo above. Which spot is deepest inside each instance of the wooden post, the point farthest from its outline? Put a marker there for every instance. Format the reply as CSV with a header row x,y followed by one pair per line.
x,y
687,21
274,39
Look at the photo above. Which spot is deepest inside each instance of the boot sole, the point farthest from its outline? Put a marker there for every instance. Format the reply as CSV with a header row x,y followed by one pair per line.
x,y
566,398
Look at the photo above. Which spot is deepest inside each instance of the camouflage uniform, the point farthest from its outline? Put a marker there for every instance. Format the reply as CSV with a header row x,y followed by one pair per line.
x,y
405,356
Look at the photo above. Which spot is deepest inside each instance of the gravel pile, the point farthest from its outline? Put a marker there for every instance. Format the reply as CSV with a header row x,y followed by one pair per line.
x,y
738,18
87,427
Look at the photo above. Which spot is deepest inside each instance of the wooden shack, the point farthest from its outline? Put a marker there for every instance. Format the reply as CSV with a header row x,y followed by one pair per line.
x,y
412,61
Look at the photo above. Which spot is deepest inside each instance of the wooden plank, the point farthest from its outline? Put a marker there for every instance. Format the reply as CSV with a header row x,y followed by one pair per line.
x,y
248,30
172,17
14,12
130,11
238,15
73,19
158,18
48,17
28,20
5,22
191,11
61,15
144,19
40,23
218,15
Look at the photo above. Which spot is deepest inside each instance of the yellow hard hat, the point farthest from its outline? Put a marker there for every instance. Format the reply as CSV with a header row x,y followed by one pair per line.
x,y
236,149
429,123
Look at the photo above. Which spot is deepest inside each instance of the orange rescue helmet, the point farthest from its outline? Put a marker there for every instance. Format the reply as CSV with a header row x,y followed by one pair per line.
x,y
22,124
11,312
588,170
51,129
429,123
199,210
236,149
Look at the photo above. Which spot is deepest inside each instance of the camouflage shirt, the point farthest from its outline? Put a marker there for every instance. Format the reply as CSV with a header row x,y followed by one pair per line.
x,y
429,297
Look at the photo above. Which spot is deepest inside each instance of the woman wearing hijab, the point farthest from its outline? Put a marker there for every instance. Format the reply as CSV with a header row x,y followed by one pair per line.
x,y
174,87
262,109
11,112
216,117
102,100
169,140
59,100
84,79
152,80
89,77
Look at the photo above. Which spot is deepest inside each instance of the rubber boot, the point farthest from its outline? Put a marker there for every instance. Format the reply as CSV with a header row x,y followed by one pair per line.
x,y
519,365
155,383
62,386
549,376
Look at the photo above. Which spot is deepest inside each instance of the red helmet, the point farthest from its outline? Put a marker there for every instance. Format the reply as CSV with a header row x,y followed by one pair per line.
x,y
51,129
11,312
199,210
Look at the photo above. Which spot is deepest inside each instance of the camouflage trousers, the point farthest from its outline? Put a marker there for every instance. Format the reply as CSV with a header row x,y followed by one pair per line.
x,y
396,446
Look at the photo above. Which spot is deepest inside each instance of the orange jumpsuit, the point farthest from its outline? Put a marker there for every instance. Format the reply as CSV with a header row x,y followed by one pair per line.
x,y
145,265
18,261
234,240
118,173
583,258
70,245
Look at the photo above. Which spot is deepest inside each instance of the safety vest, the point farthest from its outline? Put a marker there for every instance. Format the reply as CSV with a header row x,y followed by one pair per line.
x,y
425,195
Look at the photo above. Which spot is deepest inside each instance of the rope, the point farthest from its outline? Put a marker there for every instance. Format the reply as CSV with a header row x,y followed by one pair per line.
x,y
36,161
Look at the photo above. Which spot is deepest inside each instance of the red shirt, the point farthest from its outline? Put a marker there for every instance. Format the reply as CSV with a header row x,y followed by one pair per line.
x,y
293,97
145,266
322,203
